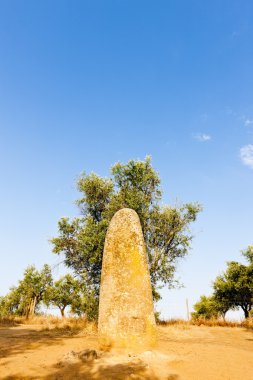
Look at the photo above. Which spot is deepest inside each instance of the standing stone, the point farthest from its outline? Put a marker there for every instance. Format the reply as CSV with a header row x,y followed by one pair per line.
x,y
126,314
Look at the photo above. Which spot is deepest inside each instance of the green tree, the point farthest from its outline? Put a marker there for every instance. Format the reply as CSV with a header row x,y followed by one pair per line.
x,y
248,254
25,298
209,307
205,308
10,303
134,185
33,288
63,292
235,285
85,303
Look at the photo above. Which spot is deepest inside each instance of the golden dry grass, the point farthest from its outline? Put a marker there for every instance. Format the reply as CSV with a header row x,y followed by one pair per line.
x,y
8,321
248,323
74,325
69,325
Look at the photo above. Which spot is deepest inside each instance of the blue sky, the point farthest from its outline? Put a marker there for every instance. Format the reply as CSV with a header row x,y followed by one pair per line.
x,y
84,84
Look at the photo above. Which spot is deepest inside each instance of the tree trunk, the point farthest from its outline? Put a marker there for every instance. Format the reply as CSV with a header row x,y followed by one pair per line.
x,y
246,312
29,308
27,312
33,306
62,312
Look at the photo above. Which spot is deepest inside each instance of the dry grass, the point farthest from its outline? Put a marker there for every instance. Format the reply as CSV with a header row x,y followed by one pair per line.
x,y
74,325
69,325
215,322
248,323
172,322
47,323
8,321
208,322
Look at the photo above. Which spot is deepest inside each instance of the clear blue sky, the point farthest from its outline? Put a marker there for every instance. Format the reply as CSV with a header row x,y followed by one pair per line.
x,y
86,83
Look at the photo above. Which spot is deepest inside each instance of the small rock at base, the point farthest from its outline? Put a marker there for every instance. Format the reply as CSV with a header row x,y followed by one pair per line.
x,y
88,355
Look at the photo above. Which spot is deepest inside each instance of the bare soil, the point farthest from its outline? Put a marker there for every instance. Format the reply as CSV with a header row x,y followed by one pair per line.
x,y
183,352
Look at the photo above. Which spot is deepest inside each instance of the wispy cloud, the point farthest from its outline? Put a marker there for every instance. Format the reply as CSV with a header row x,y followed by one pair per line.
x,y
248,122
246,154
202,137
245,119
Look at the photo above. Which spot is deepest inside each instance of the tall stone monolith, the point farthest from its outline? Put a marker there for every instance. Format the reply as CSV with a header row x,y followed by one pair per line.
x,y
126,314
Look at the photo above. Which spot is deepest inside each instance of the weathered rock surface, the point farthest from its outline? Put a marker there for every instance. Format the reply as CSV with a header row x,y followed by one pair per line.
x,y
126,315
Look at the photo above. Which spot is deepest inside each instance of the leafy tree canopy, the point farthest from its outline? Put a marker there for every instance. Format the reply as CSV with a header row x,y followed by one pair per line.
x,y
31,290
73,292
134,185
10,304
235,286
205,308
232,289
248,254
62,292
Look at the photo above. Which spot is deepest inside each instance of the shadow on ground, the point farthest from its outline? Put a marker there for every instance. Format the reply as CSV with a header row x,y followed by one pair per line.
x,y
15,341
78,371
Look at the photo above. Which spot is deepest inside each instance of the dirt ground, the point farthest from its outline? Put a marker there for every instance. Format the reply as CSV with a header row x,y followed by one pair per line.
x,y
183,352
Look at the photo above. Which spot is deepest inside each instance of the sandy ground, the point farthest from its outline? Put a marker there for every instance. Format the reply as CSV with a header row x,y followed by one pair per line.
x,y
183,352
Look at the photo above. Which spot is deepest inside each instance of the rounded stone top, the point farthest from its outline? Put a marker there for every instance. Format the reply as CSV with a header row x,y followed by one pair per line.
x,y
126,217
126,210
